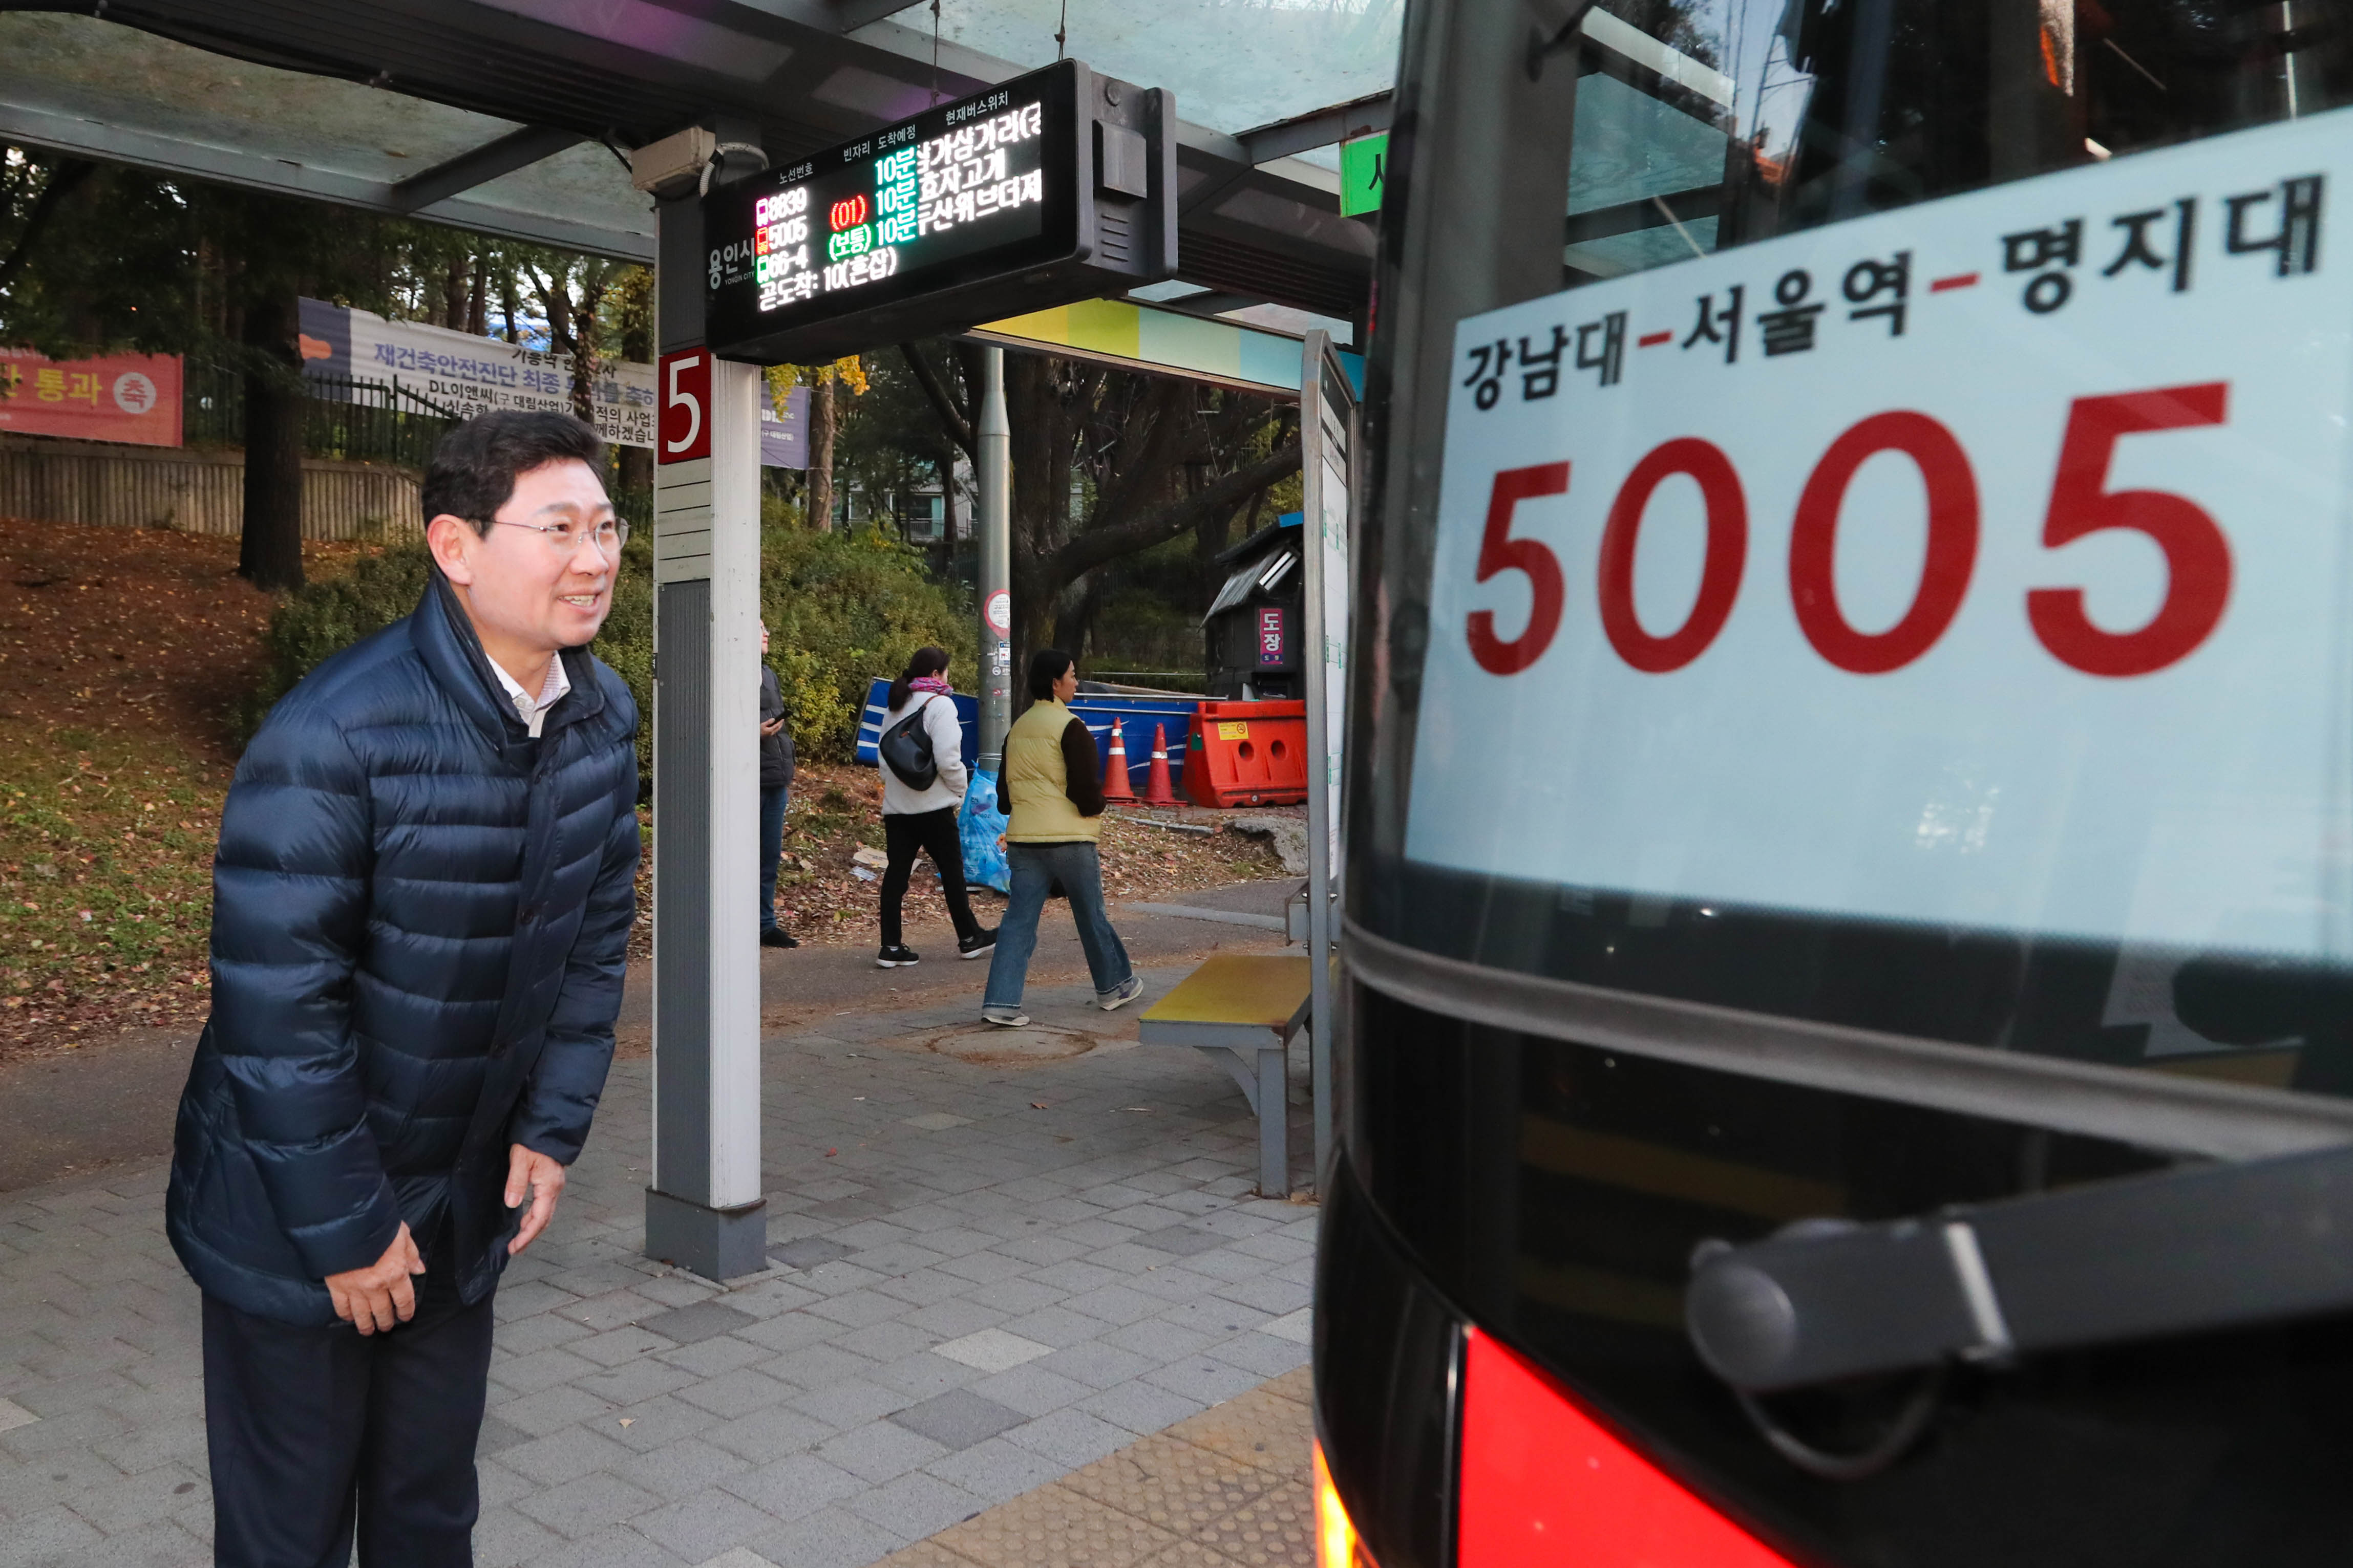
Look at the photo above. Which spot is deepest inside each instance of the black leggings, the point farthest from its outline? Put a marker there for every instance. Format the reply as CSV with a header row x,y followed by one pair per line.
x,y
933,833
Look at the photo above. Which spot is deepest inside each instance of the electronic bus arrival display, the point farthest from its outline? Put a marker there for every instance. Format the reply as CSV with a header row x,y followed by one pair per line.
x,y
991,206
1879,570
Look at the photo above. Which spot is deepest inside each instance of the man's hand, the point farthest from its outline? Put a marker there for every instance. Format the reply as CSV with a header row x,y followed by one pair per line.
x,y
380,1295
529,1171
772,726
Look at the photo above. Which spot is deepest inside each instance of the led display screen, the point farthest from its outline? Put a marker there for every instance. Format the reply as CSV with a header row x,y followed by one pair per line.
x,y
983,186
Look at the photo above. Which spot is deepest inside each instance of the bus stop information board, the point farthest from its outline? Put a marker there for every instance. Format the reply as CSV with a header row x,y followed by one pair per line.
x,y
1000,195
1981,564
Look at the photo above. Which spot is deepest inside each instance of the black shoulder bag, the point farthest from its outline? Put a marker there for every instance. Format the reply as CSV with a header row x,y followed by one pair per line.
x,y
906,750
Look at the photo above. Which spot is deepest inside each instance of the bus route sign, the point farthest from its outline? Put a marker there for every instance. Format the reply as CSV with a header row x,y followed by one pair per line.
x,y
1055,186
1879,570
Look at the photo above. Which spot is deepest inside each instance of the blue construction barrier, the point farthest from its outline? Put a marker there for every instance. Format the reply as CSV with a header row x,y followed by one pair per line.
x,y
1135,716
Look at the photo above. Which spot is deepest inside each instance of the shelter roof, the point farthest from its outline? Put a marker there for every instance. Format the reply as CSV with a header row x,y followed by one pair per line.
x,y
510,117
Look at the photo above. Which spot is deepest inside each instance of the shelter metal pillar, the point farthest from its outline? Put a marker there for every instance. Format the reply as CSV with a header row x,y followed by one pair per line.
x,y
704,1205
994,527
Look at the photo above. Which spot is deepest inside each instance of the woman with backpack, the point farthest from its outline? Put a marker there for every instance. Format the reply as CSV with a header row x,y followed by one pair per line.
x,y
921,756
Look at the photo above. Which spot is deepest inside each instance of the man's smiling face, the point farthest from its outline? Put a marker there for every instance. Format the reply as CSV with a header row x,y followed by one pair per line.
x,y
527,594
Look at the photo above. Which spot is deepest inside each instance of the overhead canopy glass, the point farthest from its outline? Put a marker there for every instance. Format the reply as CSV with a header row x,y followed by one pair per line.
x,y
1234,65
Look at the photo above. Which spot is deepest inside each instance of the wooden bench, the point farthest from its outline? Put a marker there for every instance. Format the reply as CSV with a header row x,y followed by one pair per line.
x,y
1242,1008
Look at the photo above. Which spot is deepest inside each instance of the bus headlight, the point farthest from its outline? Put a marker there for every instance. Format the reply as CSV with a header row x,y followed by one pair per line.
x,y
1337,1545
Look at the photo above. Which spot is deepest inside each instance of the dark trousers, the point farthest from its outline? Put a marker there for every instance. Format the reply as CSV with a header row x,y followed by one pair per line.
x,y
316,1435
771,850
933,833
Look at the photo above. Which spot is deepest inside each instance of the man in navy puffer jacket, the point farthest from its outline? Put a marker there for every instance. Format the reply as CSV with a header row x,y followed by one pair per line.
x,y
421,906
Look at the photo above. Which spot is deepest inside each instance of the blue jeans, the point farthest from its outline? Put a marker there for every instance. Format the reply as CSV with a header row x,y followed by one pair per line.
x,y
1036,867
771,850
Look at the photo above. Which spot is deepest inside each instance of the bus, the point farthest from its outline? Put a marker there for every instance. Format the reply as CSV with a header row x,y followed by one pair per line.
x,y
1846,1033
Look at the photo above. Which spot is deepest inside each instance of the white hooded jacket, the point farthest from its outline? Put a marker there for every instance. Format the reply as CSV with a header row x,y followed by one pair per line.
x,y
948,754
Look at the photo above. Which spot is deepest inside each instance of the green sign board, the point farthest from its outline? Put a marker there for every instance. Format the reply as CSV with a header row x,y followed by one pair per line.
x,y
1363,168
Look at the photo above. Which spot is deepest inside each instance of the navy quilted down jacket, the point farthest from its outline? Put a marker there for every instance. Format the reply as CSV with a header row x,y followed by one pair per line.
x,y
420,917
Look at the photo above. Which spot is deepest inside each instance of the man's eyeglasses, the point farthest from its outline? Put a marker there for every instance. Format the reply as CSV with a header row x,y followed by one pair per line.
x,y
565,538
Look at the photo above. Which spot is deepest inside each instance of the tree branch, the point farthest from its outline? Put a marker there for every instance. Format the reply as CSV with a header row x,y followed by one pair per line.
x,y
70,173
936,391
1098,545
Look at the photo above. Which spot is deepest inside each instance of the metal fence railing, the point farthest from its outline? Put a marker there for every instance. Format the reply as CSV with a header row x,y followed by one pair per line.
x,y
359,421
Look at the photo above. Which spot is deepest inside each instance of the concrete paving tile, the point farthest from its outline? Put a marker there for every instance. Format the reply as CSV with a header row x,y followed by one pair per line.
x,y
1072,1437
820,1365
985,1268
1159,1341
809,1251
996,1469
923,1375
852,1402
716,1356
916,1504
649,1424
612,1310
880,1450
564,1456
581,1508
886,1341
769,1435
1097,1364
540,1369
788,1332
161,1543
737,1393
958,1418
831,1537
614,1546
1269,1294
550,1410
1014,1294
697,1320
992,1349
703,1524
1032,1390
1116,1303
923,1286
1055,1326
539,1331
505,1538
788,1487
1215,1316
617,1345
678,1289
634,1381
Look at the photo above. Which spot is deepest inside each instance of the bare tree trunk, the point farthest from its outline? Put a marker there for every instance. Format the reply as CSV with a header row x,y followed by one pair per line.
x,y
477,300
637,321
587,366
555,294
270,554
510,304
820,468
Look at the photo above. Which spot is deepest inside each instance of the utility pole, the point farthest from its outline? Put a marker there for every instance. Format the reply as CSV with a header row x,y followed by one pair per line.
x,y
994,527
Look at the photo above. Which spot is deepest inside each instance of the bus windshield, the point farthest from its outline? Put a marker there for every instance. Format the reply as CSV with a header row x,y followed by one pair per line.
x,y
1878,558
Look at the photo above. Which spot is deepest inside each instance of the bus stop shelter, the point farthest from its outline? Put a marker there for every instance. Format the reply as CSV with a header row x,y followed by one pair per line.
x,y
516,118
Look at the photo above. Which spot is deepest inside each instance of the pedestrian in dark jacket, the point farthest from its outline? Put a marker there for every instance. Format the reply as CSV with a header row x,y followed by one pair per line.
x,y
775,794
421,906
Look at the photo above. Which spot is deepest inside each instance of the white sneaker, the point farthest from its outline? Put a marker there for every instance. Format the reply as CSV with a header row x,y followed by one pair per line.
x,y
1004,1017
1127,991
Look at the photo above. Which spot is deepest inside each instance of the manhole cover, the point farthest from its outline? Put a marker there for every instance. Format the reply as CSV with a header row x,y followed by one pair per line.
x,y
994,1047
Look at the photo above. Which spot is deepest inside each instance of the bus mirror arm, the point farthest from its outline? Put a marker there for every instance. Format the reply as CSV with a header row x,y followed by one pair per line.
x,y
2184,1251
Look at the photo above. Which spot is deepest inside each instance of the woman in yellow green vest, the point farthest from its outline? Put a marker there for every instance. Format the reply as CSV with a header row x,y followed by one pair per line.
x,y
1054,809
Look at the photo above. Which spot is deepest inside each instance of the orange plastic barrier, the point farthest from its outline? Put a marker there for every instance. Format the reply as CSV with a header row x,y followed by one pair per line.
x,y
1248,753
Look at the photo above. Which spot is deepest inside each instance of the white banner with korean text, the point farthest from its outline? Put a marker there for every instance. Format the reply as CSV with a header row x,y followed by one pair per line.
x,y
469,376
1982,564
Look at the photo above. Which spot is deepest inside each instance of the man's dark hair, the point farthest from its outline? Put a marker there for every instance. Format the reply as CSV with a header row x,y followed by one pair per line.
x,y
1047,666
475,467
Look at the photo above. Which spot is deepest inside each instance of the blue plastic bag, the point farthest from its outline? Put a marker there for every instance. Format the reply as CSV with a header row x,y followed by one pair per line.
x,y
979,825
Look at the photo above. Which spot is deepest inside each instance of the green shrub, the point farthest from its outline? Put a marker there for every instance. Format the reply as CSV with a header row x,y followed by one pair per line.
x,y
840,610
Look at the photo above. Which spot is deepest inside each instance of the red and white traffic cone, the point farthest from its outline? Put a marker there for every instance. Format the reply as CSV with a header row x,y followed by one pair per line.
x,y
1115,780
1157,790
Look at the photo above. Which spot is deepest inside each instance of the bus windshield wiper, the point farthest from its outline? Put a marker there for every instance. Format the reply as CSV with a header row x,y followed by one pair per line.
x,y
2189,1250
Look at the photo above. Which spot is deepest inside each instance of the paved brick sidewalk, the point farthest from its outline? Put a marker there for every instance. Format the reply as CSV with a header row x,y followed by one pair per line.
x,y
988,1274
1230,1488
